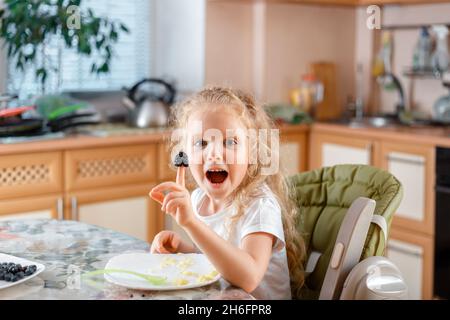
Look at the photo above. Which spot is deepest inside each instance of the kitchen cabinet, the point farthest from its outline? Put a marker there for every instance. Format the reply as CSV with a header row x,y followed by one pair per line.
x,y
109,187
329,150
413,166
413,255
31,186
293,152
105,167
41,207
31,174
127,209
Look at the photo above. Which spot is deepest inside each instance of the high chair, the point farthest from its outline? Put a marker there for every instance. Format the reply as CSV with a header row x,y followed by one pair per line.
x,y
344,217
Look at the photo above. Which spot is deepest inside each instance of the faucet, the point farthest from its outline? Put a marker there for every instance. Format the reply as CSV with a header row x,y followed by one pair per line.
x,y
390,79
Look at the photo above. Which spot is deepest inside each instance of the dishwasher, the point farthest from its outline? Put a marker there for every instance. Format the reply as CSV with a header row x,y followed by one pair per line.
x,y
442,226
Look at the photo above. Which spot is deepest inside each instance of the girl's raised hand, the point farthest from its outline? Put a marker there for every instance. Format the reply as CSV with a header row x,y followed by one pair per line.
x,y
177,202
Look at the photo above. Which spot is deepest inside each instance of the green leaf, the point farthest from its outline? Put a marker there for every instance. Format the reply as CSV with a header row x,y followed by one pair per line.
x,y
104,68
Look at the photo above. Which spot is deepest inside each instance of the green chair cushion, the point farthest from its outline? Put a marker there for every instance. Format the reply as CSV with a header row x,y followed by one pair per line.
x,y
323,197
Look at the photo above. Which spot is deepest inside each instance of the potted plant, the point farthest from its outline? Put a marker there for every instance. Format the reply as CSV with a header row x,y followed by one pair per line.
x,y
28,27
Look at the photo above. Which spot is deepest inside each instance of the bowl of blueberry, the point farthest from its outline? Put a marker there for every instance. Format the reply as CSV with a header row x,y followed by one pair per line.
x,y
15,270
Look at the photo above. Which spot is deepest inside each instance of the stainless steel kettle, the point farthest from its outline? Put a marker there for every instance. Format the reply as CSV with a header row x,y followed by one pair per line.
x,y
148,103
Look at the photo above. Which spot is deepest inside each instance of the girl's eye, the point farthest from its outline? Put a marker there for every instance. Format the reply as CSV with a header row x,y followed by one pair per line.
x,y
230,142
200,143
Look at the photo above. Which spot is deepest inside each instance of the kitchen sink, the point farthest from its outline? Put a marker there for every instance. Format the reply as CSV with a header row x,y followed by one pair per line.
x,y
371,121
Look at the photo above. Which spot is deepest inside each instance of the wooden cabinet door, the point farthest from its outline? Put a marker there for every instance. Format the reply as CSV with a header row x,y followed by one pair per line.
x,y
293,158
329,150
126,209
107,167
413,255
33,174
413,166
43,207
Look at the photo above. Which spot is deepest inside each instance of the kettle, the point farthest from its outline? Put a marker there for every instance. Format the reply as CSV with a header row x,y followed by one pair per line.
x,y
148,108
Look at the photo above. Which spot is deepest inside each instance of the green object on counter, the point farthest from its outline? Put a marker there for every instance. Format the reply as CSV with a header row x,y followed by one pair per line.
x,y
287,113
64,110
54,106
154,280
323,197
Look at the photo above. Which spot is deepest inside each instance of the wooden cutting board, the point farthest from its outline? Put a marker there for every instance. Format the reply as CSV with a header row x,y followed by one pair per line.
x,y
329,108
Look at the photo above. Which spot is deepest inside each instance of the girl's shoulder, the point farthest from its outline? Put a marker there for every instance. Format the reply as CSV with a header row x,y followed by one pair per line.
x,y
264,198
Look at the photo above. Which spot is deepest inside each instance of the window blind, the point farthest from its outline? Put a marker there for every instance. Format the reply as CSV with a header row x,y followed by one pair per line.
x,y
131,61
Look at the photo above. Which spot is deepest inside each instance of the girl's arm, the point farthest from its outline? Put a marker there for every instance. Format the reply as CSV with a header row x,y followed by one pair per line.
x,y
243,267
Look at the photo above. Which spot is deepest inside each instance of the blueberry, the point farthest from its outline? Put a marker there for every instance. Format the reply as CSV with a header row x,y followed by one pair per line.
x,y
20,275
2,275
8,277
28,273
13,269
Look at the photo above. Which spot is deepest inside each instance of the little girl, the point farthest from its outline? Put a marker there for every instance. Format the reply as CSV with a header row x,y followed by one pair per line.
x,y
242,219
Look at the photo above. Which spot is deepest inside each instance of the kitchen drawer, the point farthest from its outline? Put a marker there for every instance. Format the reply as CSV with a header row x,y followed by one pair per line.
x,y
40,207
31,174
413,166
127,209
413,255
107,167
165,171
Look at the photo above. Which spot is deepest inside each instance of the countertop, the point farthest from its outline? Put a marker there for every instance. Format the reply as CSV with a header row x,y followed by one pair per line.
x,y
425,135
103,136
113,135
69,249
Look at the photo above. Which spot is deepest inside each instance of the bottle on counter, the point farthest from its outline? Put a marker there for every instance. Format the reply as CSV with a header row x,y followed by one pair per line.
x,y
308,94
422,52
440,58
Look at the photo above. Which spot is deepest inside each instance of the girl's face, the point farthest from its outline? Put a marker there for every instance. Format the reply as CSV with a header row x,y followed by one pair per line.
x,y
217,148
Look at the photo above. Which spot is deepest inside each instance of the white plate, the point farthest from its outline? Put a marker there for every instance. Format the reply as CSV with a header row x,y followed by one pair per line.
x,y
170,266
24,263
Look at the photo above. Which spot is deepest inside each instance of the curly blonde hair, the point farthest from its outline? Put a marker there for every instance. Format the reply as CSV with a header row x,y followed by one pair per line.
x,y
252,116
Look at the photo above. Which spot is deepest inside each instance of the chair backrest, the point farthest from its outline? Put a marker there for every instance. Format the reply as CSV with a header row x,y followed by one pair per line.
x,y
323,197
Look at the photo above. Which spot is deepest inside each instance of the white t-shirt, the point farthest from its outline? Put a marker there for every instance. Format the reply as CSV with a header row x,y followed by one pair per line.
x,y
263,215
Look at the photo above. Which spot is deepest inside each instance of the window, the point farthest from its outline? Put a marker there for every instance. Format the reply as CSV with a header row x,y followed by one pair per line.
x,y
131,61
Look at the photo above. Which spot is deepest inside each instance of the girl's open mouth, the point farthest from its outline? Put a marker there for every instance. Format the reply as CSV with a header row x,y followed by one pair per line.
x,y
216,176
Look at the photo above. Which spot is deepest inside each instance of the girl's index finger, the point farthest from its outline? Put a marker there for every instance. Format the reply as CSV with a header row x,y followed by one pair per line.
x,y
181,162
181,176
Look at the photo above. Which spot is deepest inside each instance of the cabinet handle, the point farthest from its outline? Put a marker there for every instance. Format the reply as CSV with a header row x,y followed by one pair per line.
x,y
74,210
407,251
60,208
443,189
369,147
